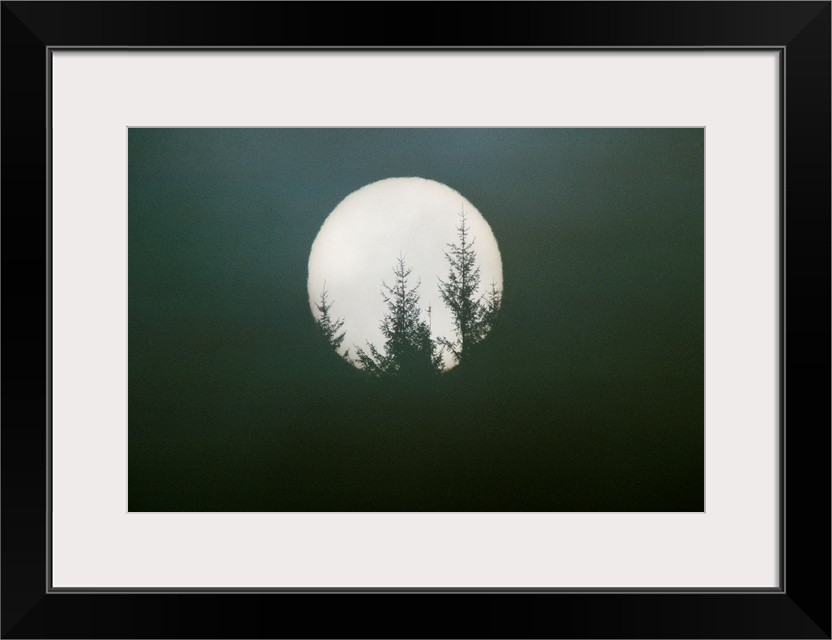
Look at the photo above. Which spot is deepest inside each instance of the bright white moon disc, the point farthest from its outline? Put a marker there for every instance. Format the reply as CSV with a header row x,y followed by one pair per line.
x,y
361,240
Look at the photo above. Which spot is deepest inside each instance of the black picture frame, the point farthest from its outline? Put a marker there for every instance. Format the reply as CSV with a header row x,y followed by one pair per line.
x,y
800,608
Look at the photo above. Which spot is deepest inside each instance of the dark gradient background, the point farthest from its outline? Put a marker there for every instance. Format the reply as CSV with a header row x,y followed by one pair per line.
x,y
588,396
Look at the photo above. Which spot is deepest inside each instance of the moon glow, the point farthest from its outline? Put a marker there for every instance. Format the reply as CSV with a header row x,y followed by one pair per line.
x,y
360,241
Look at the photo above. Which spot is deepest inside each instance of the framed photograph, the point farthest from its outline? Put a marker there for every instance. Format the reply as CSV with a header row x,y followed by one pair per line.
x,y
432,366
536,320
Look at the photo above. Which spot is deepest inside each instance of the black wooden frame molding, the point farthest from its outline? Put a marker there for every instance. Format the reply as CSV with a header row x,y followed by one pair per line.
x,y
800,608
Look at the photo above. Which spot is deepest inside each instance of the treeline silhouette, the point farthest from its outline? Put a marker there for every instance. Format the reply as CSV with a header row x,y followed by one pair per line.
x,y
409,349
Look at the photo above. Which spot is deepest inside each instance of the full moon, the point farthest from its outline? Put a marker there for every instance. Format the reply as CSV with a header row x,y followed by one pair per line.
x,y
359,245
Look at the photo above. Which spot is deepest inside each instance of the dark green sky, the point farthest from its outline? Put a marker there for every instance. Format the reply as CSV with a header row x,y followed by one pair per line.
x,y
588,396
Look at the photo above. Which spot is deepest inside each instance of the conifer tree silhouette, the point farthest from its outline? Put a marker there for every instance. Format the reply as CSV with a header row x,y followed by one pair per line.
x,y
474,315
328,325
408,347
491,309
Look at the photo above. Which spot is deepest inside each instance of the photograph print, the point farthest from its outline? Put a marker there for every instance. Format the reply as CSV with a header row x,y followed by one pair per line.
x,y
416,320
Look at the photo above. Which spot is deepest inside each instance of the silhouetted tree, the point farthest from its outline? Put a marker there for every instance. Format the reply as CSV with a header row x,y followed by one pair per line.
x,y
329,325
491,309
408,347
473,315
